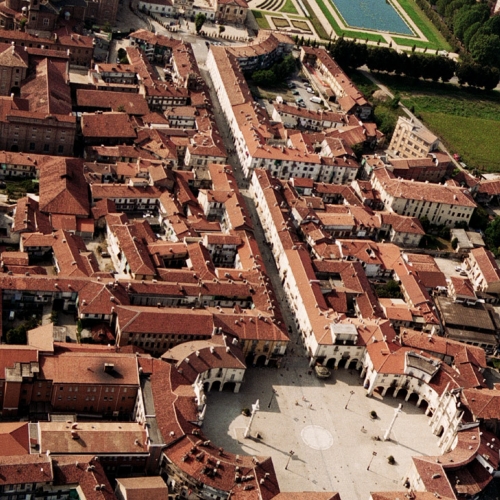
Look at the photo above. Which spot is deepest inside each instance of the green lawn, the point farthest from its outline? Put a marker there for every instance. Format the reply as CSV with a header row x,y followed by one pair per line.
x,y
424,24
409,42
477,140
318,27
289,8
261,20
466,120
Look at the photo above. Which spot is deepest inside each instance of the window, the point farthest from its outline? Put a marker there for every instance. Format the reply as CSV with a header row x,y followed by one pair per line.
x,y
60,148
32,146
46,147
45,21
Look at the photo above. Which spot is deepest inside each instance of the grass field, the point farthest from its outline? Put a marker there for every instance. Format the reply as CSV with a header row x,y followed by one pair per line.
x,y
261,19
280,22
289,7
467,121
477,140
301,25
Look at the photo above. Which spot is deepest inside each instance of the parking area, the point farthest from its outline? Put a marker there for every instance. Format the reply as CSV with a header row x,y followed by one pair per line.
x,y
332,445
295,93
451,267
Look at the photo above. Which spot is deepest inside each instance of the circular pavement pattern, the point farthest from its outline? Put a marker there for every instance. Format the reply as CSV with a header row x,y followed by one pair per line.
x,y
316,437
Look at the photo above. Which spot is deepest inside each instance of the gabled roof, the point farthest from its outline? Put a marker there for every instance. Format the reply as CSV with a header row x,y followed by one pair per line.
x,y
63,189
14,438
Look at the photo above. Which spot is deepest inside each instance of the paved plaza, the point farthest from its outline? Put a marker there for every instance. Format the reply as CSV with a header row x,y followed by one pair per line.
x,y
332,445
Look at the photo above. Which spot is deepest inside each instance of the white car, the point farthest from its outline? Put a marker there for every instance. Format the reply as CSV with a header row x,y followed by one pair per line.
x,y
310,90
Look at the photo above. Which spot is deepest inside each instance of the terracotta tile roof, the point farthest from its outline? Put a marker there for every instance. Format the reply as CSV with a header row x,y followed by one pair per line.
x,y
462,287
47,90
103,207
107,125
483,403
201,356
61,368
12,56
9,356
63,189
139,319
155,39
75,470
133,104
116,191
307,495
487,264
21,469
399,495
14,439
133,243
138,488
15,258
94,438
411,190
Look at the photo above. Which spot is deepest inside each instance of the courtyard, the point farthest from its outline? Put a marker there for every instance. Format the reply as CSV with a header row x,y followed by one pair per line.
x,y
332,446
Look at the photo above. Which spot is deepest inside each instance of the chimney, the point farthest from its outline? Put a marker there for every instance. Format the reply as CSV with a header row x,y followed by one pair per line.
x,y
109,367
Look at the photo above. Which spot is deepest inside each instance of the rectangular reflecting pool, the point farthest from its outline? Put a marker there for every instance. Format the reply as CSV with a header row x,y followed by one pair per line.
x,y
377,15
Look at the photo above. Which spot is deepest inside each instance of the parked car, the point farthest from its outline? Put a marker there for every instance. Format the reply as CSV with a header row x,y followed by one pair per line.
x,y
457,157
301,104
291,85
310,90
299,100
296,92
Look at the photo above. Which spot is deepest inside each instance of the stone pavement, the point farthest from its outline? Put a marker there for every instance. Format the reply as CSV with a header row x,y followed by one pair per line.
x,y
332,446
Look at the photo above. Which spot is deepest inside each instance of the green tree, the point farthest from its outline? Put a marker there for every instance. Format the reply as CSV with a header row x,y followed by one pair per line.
x,y
16,335
391,290
358,150
492,236
122,55
465,17
480,218
264,77
199,21
485,49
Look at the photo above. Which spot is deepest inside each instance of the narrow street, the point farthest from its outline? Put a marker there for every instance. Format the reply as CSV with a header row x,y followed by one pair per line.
x,y
265,251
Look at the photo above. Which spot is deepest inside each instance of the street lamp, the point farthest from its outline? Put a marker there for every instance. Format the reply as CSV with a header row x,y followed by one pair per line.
x,y
291,453
272,396
350,396
374,454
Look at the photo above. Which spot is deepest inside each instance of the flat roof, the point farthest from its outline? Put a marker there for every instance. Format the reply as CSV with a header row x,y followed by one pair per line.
x,y
475,318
